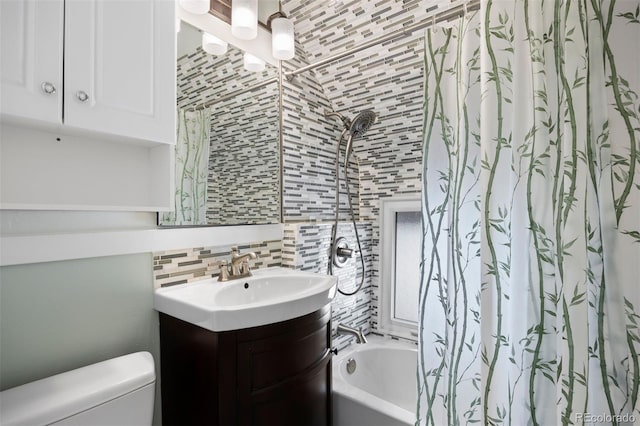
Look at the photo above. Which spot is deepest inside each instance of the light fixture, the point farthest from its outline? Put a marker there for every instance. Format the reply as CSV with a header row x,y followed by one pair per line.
x,y
244,19
282,36
197,7
253,63
213,45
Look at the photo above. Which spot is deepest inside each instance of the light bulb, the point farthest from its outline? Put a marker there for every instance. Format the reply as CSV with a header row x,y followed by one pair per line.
x,y
213,45
197,7
282,39
253,63
244,19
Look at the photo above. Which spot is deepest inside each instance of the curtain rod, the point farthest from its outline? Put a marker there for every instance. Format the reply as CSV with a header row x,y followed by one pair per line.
x,y
457,9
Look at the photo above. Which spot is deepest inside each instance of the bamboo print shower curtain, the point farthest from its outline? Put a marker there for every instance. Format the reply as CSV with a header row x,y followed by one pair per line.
x,y
530,295
191,168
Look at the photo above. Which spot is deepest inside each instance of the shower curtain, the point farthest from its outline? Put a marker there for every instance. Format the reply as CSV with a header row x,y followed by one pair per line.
x,y
191,168
530,292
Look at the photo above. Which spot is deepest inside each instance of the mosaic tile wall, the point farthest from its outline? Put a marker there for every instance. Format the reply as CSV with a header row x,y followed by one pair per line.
x,y
244,155
306,247
195,264
387,78
309,150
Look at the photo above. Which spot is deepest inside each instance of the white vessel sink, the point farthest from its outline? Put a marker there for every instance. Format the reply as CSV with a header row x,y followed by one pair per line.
x,y
271,295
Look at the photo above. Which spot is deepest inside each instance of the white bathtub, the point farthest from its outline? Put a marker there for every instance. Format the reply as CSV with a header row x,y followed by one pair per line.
x,y
382,389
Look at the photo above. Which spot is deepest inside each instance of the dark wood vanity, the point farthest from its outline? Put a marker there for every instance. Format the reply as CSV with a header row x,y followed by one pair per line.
x,y
277,374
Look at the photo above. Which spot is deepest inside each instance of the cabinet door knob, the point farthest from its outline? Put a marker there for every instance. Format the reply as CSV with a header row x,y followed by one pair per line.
x,y
82,96
48,88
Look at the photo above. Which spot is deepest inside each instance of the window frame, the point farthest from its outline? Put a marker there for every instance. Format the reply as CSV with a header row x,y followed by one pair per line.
x,y
387,260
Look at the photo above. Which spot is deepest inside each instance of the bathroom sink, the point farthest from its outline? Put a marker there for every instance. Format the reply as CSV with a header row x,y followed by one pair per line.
x,y
271,295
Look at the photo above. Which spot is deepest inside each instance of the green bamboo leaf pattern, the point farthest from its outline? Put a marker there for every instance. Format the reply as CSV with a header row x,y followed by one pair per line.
x,y
191,169
531,215
457,184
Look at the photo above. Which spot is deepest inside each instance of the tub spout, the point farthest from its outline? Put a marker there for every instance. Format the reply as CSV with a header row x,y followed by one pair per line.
x,y
357,332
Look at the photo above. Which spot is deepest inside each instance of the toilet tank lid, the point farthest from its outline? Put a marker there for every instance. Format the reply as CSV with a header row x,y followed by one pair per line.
x,y
63,395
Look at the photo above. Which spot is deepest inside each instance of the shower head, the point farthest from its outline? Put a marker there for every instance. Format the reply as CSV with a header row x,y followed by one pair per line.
x,y
362,123
356,127
359,125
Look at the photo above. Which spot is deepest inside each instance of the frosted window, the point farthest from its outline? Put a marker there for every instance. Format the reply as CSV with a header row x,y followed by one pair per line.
x,y
407,266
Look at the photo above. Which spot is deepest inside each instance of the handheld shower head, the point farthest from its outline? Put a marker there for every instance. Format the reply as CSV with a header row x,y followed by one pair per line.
x,y
359,127
362,122
356,127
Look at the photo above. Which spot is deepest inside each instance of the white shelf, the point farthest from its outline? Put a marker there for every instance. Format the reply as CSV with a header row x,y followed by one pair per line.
x,y
80,207
23,249
47,170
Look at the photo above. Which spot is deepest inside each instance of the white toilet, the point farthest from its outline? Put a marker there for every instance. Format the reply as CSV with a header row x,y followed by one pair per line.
x,y
119,391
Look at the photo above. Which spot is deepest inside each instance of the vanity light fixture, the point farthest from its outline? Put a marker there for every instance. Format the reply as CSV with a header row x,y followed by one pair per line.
x,y
282,35
197,7
213,45
244,19
253,63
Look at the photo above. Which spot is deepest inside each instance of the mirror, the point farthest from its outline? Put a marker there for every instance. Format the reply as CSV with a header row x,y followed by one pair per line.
x,y
228,148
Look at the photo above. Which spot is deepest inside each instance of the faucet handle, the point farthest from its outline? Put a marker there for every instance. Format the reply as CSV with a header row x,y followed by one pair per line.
x,y
244,268
224,271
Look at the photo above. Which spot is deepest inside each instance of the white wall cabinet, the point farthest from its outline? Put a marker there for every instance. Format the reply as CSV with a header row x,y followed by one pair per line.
x,y
118,63
88,95
31,61
119,67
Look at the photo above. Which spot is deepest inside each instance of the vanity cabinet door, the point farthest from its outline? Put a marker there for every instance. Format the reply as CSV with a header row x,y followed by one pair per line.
x,y
31,64
120,68
285,374
277,374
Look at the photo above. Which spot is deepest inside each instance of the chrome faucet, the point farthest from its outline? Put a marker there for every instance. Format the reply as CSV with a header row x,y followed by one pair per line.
x,y
357,332
239,267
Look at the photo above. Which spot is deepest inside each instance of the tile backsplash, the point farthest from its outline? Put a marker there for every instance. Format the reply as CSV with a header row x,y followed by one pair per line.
x,y
194,264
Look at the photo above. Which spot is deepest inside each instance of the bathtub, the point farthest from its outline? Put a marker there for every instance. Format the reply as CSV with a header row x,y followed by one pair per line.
x,y
382,389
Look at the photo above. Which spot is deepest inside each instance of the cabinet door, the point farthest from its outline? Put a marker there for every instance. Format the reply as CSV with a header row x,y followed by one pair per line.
x,y
120,67
31,58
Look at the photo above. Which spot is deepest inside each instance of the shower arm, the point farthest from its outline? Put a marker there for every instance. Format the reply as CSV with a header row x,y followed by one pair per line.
x,y
345,121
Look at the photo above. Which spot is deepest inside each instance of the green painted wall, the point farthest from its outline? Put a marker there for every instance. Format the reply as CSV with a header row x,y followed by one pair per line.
x,y
58,316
